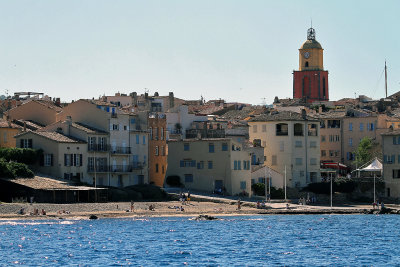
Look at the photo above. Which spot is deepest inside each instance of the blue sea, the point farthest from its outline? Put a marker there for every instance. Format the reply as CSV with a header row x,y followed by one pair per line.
x,y
300,240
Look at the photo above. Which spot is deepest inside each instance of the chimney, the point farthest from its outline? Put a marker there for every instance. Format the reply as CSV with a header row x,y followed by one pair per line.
x,y
68,121
146,95
171,99
304,114
58,102
134,98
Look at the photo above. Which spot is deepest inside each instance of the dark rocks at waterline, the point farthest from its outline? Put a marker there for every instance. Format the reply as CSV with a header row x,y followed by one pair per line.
x,y
382,211
202,217
93,217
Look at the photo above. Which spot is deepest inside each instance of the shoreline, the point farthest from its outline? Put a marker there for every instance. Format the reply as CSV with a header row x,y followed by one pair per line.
x,y
8,211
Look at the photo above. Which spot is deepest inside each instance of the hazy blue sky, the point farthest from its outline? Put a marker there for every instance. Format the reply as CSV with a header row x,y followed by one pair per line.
x,y
236,50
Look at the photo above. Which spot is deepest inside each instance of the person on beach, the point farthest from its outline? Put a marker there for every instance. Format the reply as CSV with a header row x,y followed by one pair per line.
x,y
188,197
258,205
132,206
238,204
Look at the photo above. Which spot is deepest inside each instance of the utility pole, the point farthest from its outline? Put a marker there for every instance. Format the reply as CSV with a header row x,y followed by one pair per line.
x,y
285,184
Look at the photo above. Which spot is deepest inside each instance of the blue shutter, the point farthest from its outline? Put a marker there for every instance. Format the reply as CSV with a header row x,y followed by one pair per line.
x,y
393,159
193,163
182,164
384,159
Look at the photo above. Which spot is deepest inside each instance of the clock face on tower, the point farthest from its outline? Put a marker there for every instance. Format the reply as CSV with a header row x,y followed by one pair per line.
x,y
306,54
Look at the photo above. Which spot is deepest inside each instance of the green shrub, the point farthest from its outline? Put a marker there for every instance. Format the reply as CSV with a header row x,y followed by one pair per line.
x,y
14,169
174,181
258,189
21,155
5,171
325,187
20,170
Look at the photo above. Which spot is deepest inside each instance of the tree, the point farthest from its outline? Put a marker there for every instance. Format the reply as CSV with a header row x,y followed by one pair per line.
x,y
363,152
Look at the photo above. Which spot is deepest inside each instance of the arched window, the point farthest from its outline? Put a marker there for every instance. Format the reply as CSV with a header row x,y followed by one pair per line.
x,y
298,129
306,64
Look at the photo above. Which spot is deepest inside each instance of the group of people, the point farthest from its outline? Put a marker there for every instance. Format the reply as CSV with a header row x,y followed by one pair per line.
x,y
261,205
307,201
379,205
35,212
184,198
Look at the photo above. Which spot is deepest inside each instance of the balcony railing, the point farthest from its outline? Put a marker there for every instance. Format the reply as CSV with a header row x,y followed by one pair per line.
x,y
98,147
137,165
99,168
120,150
115,168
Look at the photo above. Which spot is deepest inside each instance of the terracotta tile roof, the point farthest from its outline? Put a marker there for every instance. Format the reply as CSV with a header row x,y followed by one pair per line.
x,y
331,115
55,137
6,124
45,183
393,132
29,124
87,129
48,104
281,116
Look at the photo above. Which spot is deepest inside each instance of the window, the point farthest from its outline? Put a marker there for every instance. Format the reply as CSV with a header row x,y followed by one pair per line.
x,y
313,161
211,148
313,177
370,126
274,160
254,128
48,159
151,133
5,137
361,126
323,153
312,129
264,128
244,165
200,165
281,146
224,147
162,169
73,160
239,163
115,127
137,139
281,129
26,143
186,147
235,165
210,164
396,174
156,134
298,144
133,121
337,138
162,134
187,163
144,139
350,156
163,150
306,64
350,141
298,129
125,127
156,167
299,161
313,144
389,159
323,139
350,126
156,151
188,178
243,185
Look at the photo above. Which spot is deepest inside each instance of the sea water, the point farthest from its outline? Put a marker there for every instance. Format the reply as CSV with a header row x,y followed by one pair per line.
x,y
239,241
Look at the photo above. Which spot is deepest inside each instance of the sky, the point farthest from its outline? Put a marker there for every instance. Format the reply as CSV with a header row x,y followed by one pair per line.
x,y
240,51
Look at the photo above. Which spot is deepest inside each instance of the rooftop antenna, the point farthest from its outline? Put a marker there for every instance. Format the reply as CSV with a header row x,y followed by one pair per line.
x,y
385,79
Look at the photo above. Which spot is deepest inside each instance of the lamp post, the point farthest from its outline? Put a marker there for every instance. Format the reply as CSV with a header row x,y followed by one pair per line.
x,y
285,184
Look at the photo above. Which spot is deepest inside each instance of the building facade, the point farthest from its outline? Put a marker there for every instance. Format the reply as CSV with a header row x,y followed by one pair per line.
x,y
291,144
391,163
158,150
210,164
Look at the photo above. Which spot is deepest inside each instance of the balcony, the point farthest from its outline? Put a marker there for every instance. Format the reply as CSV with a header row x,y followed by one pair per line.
x,y
137,165
98,148
114,115
121,150
121,168
99,168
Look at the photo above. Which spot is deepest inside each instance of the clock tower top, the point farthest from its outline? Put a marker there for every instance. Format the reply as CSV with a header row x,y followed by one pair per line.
x,y
311,53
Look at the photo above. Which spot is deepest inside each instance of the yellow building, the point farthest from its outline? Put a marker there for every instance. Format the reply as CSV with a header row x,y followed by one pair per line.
x,y
391,162
210,164
7,132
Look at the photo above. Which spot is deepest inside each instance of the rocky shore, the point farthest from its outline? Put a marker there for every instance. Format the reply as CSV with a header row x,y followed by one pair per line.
x,y
173,208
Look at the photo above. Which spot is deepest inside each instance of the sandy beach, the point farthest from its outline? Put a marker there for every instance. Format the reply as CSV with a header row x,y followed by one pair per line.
x,y
169,208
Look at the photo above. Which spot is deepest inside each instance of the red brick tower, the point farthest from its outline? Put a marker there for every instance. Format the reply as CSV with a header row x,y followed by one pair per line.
x,y
310,82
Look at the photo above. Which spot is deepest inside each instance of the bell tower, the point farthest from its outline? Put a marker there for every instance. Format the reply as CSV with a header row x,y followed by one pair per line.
x,y
310,82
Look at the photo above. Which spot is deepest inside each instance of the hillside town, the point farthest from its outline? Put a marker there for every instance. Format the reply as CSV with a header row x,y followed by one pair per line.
x,y
214,146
